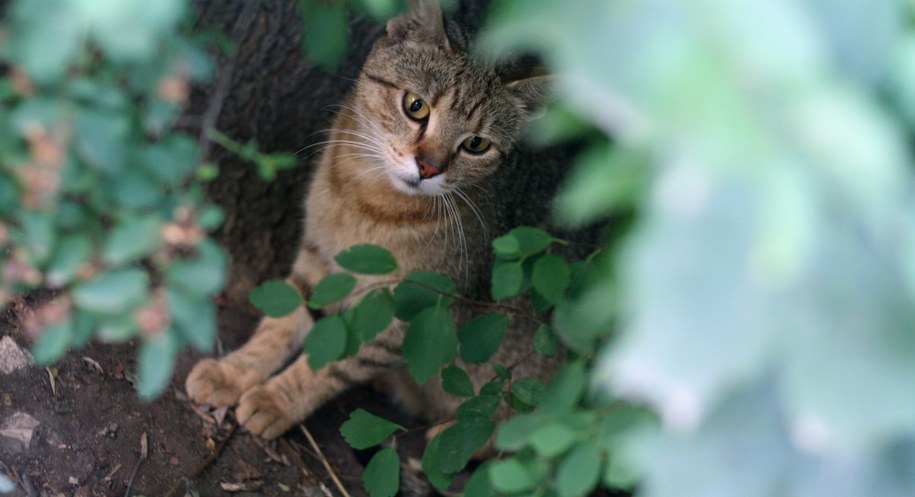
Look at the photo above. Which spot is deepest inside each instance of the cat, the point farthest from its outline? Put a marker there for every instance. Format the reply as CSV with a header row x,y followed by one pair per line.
x,y
423,161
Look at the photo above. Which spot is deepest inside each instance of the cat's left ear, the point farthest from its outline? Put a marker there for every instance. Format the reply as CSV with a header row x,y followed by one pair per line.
x,y
533,93
423,24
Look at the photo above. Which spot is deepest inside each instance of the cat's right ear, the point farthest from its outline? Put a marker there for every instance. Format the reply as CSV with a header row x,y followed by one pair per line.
x,y
533,93
423,24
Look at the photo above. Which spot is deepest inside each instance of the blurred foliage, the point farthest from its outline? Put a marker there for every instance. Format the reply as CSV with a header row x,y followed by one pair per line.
x,y
766,292
99,198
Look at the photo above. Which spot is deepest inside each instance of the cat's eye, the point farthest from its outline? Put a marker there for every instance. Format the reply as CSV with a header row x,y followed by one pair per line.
x,y
415,107
476,144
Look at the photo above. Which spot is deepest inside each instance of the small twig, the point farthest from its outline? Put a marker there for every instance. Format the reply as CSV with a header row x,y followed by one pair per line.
x,y
221,90
324,461
206,462
144,453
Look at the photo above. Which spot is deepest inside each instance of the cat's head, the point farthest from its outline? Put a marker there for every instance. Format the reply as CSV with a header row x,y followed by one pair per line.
x,y
437,117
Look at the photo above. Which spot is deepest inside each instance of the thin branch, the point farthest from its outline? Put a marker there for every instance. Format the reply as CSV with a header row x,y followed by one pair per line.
x,y
324,461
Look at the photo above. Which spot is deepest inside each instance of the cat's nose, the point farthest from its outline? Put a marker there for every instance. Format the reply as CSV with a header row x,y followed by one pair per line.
x,y
427,169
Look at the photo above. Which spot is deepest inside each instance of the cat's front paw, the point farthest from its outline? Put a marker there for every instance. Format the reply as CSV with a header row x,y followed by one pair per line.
x,y
262,412
210,383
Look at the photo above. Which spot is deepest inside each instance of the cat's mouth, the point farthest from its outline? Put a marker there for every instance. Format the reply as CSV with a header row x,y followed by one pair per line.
x,y
414,185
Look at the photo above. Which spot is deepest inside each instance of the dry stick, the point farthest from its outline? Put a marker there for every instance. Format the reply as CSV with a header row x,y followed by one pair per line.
x,y
324,461
206,462
144,453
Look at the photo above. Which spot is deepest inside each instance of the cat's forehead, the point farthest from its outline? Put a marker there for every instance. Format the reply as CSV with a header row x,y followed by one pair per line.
x,y
430,72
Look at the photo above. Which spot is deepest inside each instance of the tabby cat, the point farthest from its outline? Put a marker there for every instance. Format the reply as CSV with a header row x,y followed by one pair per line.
x,y
420,161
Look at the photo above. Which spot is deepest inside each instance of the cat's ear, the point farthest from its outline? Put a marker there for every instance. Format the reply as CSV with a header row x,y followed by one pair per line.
x,y
532,92
423,24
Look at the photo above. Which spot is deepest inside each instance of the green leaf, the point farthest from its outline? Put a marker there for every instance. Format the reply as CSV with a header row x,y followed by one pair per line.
x,y
134,189
363,429
332,288
53,342
275,298
381,477
513,434
113,292
38,234
155,362
171,160
101,139
461,440
607,178
131,238
325,342
479,484
326,39
481,337
481,406
567,387
457,382
623,420
420,290
618,475
373,314
429,343
432,465
579,471
545,342
72,252
551,277
528,390
202,275
367,259
510,476
194,318
116,327
551,440
507,280
45,45
521,242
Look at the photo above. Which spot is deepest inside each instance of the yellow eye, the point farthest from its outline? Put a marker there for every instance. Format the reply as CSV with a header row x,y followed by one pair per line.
x,y
415,107
476,144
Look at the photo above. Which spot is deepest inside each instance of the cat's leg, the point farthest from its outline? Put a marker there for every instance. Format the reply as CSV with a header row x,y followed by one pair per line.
x,y
222,382
289,397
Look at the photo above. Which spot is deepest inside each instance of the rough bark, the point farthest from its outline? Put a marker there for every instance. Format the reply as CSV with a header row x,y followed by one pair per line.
x,y
267,90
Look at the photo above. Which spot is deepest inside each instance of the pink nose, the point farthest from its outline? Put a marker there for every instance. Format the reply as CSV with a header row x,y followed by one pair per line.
x,y
426,169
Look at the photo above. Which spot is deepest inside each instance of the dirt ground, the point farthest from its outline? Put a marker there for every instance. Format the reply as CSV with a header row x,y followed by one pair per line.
x,y
93,433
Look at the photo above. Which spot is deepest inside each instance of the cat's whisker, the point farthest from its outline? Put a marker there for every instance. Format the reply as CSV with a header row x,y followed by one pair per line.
x,y
352,143
455,222
358,134
360,117
473,208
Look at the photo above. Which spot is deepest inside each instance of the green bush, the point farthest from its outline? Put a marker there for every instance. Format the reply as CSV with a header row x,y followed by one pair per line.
x,y
101,198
